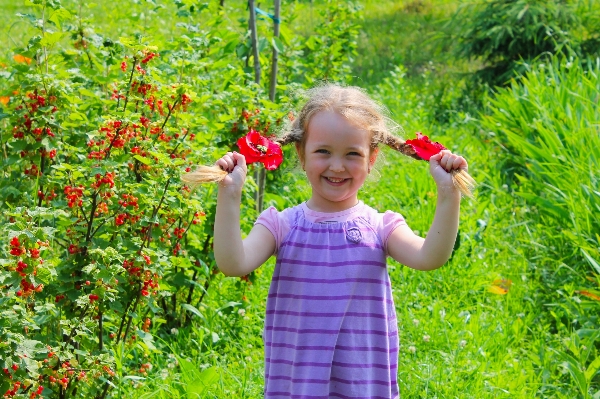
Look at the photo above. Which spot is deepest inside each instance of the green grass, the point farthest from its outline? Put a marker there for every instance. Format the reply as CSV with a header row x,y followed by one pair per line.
x,y
458,339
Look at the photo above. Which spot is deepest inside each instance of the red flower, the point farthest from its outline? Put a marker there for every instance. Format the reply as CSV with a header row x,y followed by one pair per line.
x,y
257,148
424,147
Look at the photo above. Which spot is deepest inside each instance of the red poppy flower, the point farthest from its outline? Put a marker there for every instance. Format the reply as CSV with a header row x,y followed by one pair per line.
x,y
424,147
257,148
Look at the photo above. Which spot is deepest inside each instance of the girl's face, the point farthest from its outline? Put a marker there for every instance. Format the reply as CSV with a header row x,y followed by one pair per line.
x,y
337,159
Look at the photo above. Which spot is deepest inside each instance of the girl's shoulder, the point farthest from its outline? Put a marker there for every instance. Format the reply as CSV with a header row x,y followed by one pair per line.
x,y
277,222
384,223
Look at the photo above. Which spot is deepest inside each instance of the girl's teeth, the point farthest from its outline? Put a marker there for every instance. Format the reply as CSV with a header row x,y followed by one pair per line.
x,y
334,180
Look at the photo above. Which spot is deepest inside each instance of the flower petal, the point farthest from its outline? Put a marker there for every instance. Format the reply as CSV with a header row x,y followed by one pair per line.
x,y
274,156
257,148
424,147
248,150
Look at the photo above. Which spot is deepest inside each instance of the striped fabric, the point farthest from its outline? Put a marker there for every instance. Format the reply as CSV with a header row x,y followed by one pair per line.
x,y
330,326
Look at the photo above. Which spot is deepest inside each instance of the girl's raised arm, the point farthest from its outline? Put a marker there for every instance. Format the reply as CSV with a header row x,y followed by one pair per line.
x,y
234,256
433,251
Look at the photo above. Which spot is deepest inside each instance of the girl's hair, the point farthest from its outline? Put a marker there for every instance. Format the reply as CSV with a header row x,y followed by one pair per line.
x,y
360,110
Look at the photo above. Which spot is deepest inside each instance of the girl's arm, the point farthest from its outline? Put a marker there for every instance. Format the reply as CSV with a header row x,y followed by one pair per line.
x,y
234,256
433,251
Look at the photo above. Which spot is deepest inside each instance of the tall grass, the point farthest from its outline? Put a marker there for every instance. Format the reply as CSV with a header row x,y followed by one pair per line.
x,y
548,124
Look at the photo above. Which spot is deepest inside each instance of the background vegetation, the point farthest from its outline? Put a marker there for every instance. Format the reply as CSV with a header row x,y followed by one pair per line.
x,y
514,313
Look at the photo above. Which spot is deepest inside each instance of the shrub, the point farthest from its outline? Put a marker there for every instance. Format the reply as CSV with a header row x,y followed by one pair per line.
x,y
101,245
504,33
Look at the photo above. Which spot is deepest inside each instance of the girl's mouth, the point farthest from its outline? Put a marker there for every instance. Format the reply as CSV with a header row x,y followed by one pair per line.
x,y
334,180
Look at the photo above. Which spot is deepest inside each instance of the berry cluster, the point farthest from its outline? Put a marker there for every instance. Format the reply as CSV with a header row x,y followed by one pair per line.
x,y
116,136
144,368
16,249
33,171
154,104
108,179
32,105
74,196
23,268
150,283
133,270
149,56
146,326
185,100
142,88
27,288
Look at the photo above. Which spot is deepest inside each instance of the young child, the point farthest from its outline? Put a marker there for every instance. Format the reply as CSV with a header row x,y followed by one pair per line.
x,y
330,328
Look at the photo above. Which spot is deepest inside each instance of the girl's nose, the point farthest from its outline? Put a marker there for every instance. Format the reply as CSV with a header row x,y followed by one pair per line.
x,y
336,165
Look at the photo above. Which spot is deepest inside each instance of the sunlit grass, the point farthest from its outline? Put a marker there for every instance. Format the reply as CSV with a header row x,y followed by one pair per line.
x,y
458,339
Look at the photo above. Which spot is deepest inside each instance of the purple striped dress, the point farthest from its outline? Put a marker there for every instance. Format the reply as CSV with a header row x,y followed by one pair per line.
x,y
330,326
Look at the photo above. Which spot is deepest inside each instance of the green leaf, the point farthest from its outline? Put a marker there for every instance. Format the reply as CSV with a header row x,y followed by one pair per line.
x,y
51,39
143,160
203,382
59,16
277,44
192,309
44,275
592,369
591,260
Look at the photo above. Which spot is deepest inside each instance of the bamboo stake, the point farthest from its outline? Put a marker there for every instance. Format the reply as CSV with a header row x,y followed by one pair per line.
x,y
254,36
275,57
262,175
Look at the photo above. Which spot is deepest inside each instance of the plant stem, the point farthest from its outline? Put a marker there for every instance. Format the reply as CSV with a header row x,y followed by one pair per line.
x,y
123,321
100,331
135,60
88,236
137,300
149,234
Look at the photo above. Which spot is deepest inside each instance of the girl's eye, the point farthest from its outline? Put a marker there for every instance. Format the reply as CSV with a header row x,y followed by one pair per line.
x,y
354,153
322,151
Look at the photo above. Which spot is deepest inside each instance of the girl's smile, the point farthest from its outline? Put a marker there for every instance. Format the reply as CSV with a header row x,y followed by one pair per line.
x,y
337,158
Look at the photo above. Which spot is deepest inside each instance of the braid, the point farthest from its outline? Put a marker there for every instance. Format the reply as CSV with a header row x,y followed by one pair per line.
x,y
396,143
461,179
286,139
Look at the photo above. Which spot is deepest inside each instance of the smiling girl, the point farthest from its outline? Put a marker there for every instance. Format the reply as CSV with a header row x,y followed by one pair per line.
x,y
330,327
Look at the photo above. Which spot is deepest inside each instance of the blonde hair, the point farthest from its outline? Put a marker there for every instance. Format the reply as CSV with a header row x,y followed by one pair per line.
x,y
361,110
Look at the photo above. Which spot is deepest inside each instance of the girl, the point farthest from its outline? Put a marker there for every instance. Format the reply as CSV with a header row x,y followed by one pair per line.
x,y
330,328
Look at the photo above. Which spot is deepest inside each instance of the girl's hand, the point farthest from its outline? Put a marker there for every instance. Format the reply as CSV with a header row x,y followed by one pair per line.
x,y
441,165
235,164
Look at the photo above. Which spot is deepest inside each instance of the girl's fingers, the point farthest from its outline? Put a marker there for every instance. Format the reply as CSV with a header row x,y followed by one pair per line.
x,y
221,163
226,162
459,162
240,160
448,161
229,161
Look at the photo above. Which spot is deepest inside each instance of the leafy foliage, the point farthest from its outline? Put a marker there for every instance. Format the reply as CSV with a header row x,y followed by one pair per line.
x,y
507,33
103,248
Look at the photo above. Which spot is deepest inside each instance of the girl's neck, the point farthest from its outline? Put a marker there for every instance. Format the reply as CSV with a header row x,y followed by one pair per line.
x,y
331,207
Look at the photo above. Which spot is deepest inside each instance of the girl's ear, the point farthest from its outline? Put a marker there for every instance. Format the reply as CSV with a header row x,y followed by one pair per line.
x,y
373,157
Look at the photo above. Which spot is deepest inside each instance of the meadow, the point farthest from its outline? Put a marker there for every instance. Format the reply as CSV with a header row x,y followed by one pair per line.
x,y
513,314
